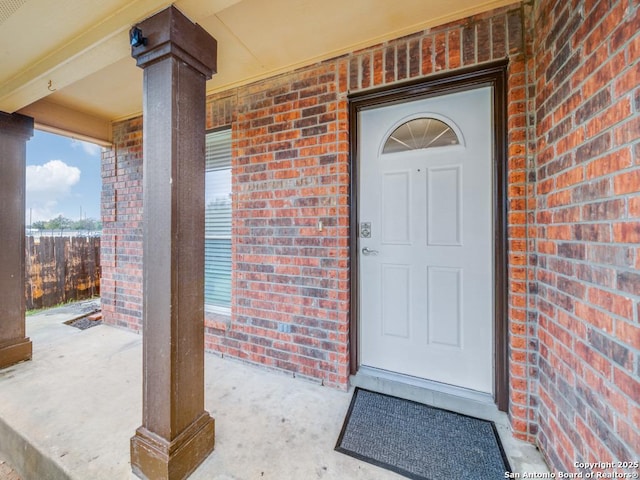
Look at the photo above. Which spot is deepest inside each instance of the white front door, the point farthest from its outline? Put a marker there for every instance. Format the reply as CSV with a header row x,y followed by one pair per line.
x,y
425,239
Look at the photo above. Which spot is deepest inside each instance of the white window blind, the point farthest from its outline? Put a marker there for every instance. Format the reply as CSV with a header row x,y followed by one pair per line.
x,y
217,227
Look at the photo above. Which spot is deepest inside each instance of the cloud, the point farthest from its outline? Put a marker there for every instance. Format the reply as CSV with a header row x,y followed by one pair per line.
x,y
89,148
54,177
45,211
48,184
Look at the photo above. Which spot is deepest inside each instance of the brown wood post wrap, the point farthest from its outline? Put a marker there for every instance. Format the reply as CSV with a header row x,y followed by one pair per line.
x,y
15,130
177,433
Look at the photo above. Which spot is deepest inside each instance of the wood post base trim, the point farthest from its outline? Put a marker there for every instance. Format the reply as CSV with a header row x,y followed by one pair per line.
x,y
153,457
15,352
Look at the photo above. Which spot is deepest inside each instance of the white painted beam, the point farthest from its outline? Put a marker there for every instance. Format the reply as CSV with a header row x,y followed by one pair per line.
x,y
54,118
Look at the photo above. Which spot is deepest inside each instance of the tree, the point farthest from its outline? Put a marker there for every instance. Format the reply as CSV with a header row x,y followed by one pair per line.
x,y
59,223
40,225
84,224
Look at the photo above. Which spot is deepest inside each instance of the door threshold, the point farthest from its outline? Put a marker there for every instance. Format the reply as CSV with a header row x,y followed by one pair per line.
x,y
524,457
440,395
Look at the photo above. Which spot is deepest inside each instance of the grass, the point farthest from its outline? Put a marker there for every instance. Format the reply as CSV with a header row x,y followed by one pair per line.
x,y
35,311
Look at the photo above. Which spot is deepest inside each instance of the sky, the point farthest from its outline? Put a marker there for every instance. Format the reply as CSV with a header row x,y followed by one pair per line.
x,y
63,178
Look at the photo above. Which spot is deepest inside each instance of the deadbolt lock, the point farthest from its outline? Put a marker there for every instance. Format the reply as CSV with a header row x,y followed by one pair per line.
x,y
365,229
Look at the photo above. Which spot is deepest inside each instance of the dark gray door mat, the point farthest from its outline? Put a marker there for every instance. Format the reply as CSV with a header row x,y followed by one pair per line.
x,y
421,442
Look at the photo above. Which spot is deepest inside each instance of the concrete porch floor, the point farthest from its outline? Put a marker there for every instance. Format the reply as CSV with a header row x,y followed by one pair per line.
x,y
70,412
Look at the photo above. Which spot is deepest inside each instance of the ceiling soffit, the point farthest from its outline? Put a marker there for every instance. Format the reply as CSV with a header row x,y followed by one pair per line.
x,y
77,53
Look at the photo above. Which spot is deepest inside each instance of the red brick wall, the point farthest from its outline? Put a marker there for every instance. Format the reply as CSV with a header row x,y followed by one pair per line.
x,y
291,170
588,179
290,285
290,291
121,248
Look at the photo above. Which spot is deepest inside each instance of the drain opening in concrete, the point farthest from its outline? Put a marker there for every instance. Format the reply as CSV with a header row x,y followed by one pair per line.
x,y
87,321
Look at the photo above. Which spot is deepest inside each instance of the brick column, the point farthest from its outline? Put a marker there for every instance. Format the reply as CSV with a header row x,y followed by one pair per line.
x,y
177,433
15,130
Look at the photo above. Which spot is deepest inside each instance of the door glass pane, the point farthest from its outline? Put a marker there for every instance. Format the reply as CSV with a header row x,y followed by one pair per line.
x,y
420,133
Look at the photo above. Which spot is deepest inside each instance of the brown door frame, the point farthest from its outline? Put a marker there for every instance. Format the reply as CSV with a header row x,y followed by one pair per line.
x,y
495,76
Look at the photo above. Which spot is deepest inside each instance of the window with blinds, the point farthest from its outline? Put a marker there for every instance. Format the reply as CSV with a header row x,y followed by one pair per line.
x,y
217,226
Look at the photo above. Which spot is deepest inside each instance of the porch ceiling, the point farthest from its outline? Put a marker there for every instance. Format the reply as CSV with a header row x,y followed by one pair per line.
x,y
67,63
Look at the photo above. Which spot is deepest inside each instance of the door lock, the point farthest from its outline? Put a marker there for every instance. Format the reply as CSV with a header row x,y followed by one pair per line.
x,y
365,229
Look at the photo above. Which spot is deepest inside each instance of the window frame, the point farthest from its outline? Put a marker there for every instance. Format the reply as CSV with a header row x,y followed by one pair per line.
x,y
210,308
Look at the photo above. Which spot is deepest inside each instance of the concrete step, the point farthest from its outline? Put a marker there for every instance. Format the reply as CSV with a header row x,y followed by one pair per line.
x,y
6,472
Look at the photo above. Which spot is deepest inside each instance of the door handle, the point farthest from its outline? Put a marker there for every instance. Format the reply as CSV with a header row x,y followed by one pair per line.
x,y
367,251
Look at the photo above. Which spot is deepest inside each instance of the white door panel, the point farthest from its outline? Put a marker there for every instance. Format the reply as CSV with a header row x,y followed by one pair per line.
x,y
427,287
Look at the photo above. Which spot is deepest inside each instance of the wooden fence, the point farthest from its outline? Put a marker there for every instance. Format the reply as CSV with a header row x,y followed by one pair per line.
x,y
61,269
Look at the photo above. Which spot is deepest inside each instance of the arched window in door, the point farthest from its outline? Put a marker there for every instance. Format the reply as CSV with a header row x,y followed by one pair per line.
x,y
420,133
